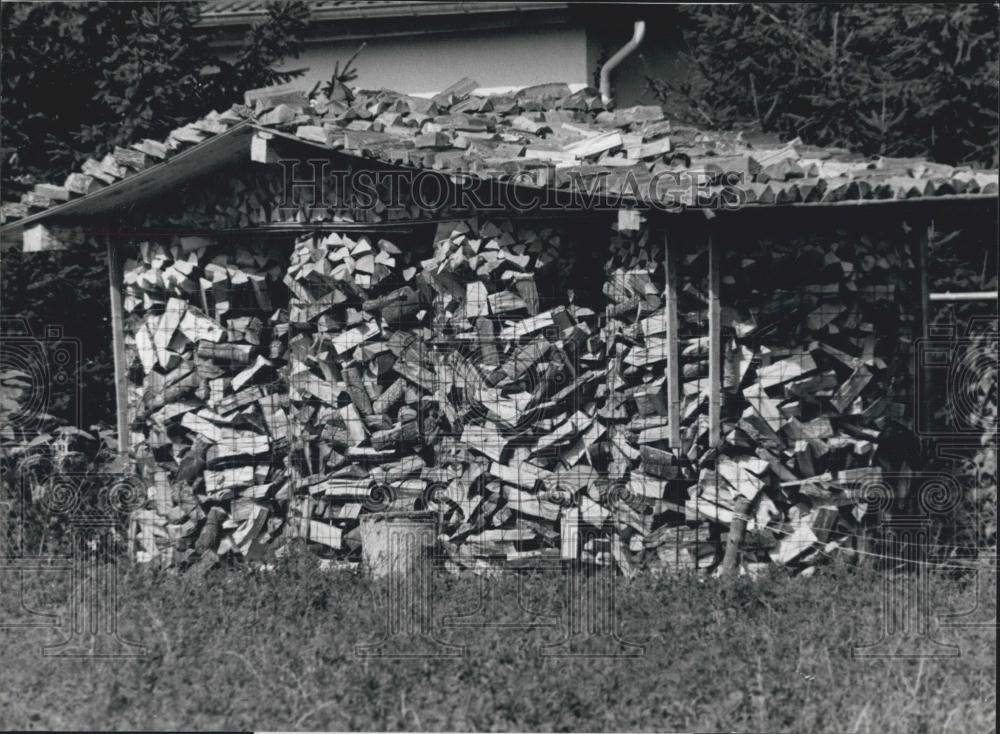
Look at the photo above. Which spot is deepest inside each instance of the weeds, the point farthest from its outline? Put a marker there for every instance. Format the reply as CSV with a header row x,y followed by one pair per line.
x,y
248,649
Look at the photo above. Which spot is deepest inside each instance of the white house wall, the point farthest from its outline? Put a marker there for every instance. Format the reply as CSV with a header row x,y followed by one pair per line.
x,y
431,63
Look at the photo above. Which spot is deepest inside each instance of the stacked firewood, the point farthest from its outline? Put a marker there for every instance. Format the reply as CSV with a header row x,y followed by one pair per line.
x,y
653,472
519,366
208,403
472,383
471,379
356,310
317,195
382,344
817,373
546,133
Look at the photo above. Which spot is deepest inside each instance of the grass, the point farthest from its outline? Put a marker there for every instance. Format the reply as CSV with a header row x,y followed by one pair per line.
x,y
245,649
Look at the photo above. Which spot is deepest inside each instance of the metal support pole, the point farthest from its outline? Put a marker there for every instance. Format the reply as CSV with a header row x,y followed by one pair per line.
x,y
970,296
714,347
118,345
673,347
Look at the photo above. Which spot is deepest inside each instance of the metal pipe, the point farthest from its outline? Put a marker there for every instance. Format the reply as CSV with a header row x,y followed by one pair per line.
x,y
632,45
971,296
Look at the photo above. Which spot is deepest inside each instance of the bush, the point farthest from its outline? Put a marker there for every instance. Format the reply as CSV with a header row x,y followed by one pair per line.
x,y
79,79
893,80
51,477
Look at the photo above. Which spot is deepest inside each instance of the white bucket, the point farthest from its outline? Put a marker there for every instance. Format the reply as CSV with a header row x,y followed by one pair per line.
x,y
395,542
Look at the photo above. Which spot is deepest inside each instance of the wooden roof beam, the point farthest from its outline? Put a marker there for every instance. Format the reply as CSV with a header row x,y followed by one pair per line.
x,y
50,237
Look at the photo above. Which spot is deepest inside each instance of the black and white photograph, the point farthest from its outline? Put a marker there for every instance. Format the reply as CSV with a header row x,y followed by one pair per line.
x,y
396,366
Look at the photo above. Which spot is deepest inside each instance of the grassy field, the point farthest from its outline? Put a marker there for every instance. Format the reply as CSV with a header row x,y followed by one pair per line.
x,y
276,650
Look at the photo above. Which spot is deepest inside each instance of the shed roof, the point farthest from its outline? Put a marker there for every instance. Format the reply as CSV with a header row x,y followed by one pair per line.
x,y
544,136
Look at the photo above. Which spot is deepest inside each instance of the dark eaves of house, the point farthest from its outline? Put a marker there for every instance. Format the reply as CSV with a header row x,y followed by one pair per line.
x,y
228,12
545,135
333,20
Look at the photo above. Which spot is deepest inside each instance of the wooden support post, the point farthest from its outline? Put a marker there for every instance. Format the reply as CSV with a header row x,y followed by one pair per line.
x,y
673,346
925,291
736,530
118,345
925,376
714,347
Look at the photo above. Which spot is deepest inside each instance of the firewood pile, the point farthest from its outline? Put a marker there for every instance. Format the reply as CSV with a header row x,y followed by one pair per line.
x,y
254,198
356,419
206,349
288,397
817,380
509,374
560,138
405,365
